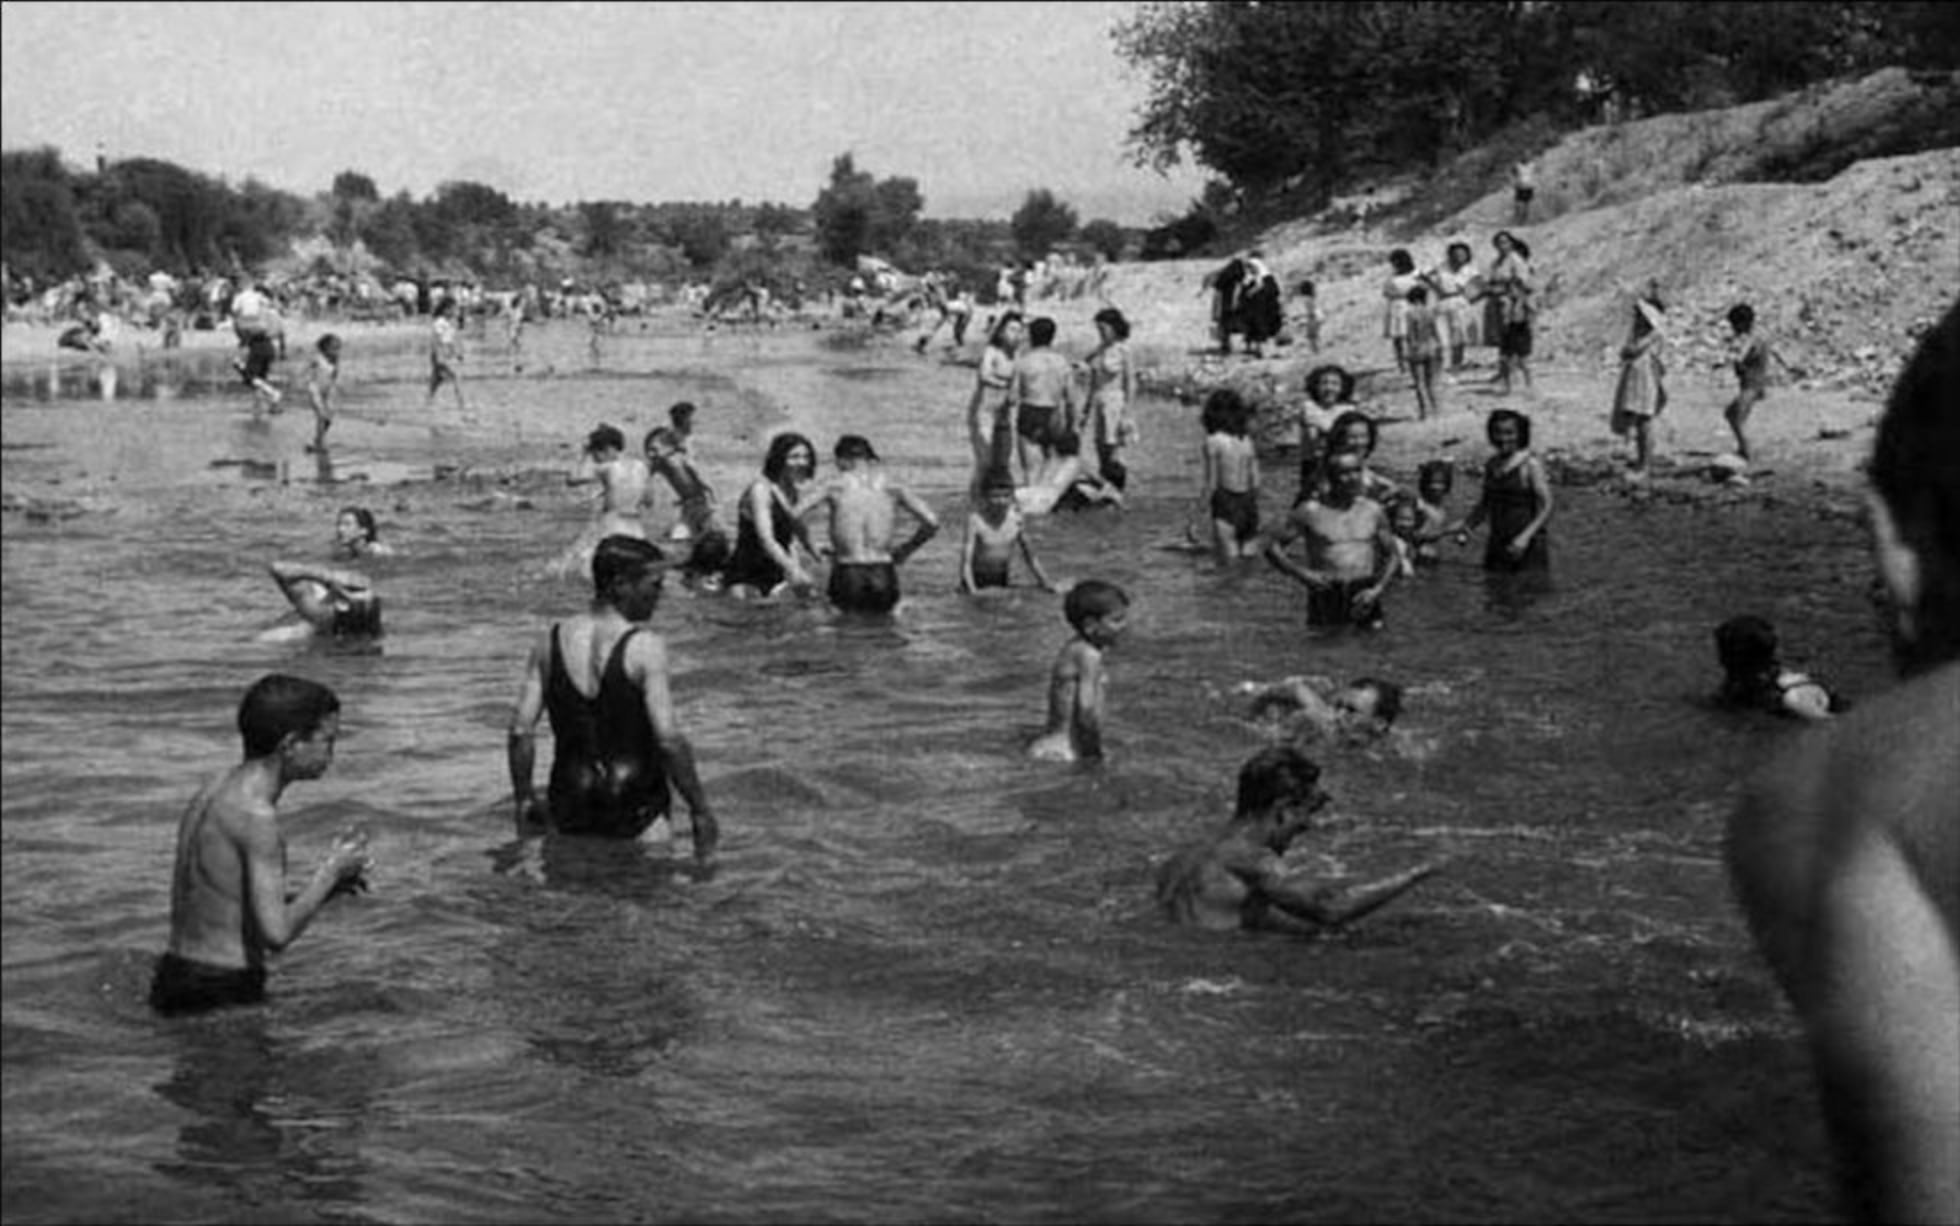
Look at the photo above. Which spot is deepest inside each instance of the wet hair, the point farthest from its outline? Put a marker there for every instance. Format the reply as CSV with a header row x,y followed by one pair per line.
x,y
1223,407
1001,325
1276,773
604,438
1746,648
1401,261
1041,332
1117,324
1511,415
777,460
1346,394
621,559
683,411
1340,427
1418,295
365,518
1093,598
328,343
278,704
1742,317
1442,470
1388,697
1915,468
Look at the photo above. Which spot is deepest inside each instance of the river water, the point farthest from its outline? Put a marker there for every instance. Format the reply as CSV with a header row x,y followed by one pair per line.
x,y
927,983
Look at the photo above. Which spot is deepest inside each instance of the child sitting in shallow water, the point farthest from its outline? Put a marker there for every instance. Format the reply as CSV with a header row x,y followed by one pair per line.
x,y
1753,676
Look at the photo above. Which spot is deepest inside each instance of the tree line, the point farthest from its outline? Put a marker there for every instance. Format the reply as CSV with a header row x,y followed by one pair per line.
x,y
1313,98
143,214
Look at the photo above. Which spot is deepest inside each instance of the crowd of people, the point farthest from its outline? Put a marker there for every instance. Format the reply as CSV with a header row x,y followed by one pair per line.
x,y
1349,534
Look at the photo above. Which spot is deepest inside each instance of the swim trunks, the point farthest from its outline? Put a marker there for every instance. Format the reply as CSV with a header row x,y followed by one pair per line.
x,y
362,620
1036,423
260,350
1336,606
865,587
606,773
989,573
183,985
1239,508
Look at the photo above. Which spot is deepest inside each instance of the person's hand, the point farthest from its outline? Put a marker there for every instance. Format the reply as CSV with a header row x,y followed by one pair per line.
x,y
529,811
1461,536
1518,545
349,861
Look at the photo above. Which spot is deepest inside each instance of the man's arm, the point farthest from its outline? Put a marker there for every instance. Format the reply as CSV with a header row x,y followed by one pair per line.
x,y
1034,567
1331,906
647,660
1275,553
1884,1027
263,854
521,741
928,523
967,547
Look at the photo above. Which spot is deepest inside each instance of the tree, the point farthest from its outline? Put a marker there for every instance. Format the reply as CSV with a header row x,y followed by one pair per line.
x,y
352,185
40,233
1041,223
1107,237
702,235
857,214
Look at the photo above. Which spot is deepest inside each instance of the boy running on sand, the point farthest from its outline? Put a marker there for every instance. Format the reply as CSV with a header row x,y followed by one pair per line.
x,y
229,909
1235,877
1098,611
993,533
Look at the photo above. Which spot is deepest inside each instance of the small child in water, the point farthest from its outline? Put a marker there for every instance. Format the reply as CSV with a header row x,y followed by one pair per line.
x,y
993,533
1754,677
1098,611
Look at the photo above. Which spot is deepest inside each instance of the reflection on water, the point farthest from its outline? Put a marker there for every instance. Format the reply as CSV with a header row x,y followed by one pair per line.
x,y
926,982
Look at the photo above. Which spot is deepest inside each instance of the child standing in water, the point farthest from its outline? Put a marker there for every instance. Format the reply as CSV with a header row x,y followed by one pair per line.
x,y
1230,493
1517,499
322,388
1098,611
1424,338
993,533
1434,480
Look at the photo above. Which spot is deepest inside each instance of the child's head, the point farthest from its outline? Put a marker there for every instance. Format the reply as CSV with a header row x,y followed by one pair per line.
x,y
1434,480
1330,385
1746,648
1224,407
1354,431
1095,602
682,417
1112,319
279,706
853,450
619,564
997,489
1742,317
1401,261
356,524
1307,289
1459,254
1403,519
1041,332
1006,330
1279,775
1508,427
605,439
329,346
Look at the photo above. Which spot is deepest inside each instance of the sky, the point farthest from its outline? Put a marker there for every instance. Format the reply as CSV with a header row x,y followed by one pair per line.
x,y
568,101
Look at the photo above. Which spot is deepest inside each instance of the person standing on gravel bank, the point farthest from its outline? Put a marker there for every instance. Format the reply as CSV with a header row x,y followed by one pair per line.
x,y
1642,390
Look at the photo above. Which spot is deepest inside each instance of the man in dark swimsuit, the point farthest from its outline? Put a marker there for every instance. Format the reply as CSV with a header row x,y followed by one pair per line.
x,y
863,508
602,676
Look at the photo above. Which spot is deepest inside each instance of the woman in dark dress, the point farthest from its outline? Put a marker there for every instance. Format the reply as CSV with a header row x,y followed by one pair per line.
x,y
1517,499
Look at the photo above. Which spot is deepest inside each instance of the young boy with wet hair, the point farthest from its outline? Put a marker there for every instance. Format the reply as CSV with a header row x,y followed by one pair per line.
x,y
1754,677
994,532
229,910
1098,612
1236,877
1845,850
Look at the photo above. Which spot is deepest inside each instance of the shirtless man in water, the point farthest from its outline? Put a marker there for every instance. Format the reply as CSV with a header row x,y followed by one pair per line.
x,y
622,479
229,910
863,508
603,678
1845,849
1234,878
1350,548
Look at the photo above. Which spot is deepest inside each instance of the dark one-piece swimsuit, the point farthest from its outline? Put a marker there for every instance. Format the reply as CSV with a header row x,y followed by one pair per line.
x,y
606,773
751,563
